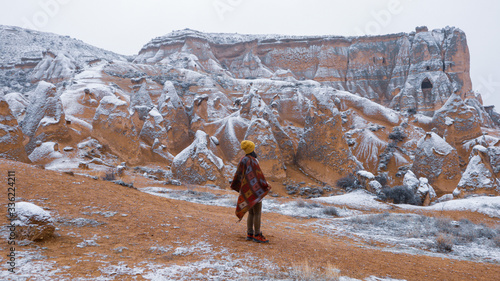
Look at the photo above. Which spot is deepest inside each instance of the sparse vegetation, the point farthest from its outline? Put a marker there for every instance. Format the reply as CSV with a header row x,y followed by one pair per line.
x,y
331,211
122,183
109,176
304,272
399,195
444,243
348,183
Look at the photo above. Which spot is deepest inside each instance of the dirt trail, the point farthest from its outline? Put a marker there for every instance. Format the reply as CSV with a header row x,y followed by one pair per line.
x,y
143,221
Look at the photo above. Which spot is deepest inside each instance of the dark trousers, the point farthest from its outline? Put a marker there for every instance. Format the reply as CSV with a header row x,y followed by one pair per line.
x,y
253,220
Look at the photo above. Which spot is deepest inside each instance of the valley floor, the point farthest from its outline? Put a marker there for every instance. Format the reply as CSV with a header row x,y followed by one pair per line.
x,y
106,231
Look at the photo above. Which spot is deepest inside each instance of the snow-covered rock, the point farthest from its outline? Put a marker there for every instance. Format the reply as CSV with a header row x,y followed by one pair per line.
x,y
425,191
113,126
45,153
411,181
197,163
45,118
176,120
479,176
322,152
11,136
438,161
32,222
267,148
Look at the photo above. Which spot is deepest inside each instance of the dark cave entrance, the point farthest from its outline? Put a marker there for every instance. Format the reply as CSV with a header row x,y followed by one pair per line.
x,y
427,90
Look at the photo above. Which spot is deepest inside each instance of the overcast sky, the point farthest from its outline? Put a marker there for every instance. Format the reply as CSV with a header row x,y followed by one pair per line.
x,y
124,26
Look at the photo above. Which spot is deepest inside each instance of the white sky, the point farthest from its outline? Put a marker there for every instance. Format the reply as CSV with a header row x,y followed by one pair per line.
x,y
124,26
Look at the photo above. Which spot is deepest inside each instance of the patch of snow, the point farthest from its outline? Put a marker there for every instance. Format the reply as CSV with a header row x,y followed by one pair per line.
x,y
358,199
432,142
25,211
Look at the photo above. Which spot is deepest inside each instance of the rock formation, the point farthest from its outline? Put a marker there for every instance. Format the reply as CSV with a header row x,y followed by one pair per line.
x,y
322,152
11,136
437,160
397,106
479,177
197,164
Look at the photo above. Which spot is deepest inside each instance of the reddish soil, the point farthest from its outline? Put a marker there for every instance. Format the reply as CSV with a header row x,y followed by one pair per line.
x,y
148,218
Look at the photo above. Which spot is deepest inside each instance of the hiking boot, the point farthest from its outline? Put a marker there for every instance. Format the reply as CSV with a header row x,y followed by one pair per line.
x,y
259,238
250,237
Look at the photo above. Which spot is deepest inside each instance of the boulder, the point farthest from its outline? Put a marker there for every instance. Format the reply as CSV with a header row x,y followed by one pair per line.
x,y
45,153
411,182
425,192
197,163
32,222
437,160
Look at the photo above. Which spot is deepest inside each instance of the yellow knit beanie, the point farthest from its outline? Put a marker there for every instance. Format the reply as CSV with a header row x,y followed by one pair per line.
x,y
247,146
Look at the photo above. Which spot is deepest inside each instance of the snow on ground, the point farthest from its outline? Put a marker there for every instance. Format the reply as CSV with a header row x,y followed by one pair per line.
x,y
418,235
30,265
359,199
487,205
298,208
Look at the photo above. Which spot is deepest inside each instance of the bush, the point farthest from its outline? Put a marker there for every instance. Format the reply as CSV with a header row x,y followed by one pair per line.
x,y
348,183
397,135
382,179
444,243
109,176
400,195
331,211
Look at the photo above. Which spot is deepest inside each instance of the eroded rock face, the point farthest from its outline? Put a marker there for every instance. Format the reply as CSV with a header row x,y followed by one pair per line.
x,y
45,118
437,160
176,120
113,126
11,136
322,152
197,163
461,121
479,177
375,67
32,222
267,148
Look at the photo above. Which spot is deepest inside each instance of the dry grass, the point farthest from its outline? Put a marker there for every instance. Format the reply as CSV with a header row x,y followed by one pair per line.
x,y
304,272
444,243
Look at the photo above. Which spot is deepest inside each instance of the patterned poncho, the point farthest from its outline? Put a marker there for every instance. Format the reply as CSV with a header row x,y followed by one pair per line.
x,y
250,182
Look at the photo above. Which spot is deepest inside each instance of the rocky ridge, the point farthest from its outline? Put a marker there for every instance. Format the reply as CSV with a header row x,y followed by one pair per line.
x,y
330,106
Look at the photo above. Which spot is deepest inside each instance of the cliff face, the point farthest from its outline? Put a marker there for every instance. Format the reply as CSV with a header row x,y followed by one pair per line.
x,y
318,104
404,71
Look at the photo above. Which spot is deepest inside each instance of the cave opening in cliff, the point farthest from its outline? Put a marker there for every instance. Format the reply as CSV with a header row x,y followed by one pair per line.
x,y
427,90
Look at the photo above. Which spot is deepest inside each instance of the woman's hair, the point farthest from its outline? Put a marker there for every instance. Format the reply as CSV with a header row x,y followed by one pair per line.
x,y
253,154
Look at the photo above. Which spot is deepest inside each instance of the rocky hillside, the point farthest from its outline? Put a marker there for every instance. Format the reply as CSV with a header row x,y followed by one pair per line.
x,y
377,112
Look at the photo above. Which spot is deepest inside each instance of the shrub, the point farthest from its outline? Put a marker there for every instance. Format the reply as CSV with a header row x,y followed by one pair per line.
x,y
397,136
412,111
348,183
109,176
400,195
444,243
331,211
382,179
